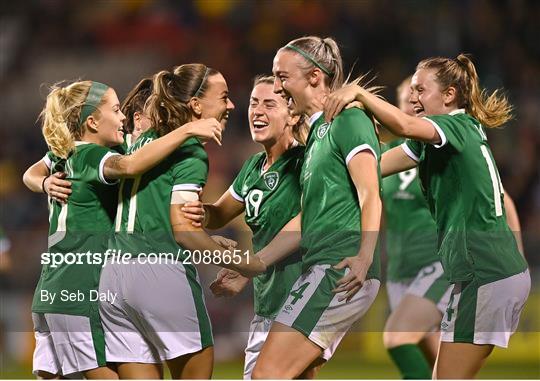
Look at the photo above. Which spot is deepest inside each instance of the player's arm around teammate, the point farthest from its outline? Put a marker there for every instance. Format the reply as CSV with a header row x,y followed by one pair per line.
x,y
335,230
80,122
38,178
417,289
478,251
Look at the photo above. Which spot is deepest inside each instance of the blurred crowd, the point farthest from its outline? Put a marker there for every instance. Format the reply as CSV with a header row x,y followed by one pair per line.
x,y
120,41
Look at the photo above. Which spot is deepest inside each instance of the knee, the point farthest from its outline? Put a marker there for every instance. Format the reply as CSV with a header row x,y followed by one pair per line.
x,y
395,339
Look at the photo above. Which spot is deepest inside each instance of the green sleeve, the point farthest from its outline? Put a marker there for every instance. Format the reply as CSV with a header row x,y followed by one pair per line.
x,y
236,188
48,159
413,149
450,129
94,159
191,169
353,132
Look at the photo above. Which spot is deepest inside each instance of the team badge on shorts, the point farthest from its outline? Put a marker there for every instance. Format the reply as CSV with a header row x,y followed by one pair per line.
x,y
271,180
323,129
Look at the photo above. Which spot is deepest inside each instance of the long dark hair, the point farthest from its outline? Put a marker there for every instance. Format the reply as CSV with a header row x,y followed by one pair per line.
x,y
168,106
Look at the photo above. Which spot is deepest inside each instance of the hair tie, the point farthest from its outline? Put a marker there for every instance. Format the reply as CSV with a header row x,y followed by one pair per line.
x,y
308,57
92,100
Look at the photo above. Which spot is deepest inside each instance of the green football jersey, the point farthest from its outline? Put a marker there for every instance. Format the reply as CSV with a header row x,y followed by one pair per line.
x,y
465,196
331,215
78,233
143,223
271,199
411,232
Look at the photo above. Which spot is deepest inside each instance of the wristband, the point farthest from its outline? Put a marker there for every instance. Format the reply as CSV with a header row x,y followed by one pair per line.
x,y
43,184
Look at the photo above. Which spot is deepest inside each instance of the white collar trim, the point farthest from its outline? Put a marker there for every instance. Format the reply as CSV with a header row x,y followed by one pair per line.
x,y
80,142
458,111
314,117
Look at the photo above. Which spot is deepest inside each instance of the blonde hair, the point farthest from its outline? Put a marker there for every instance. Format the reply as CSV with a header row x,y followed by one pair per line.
x,y
322,53
60,116
491,110
300,130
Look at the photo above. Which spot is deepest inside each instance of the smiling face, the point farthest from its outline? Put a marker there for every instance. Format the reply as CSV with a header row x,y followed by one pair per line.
x,y
109,122
427,97
215,102
268,115
290,80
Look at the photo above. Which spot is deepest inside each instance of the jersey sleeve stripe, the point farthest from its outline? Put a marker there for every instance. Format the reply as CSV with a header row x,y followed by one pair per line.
x,y
187,187
102,165
362,147
440,132
235,195
409,152
47,161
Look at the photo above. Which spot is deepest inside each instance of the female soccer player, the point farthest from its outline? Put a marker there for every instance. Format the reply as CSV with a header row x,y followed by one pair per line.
x,y
341,210
268,190
80,122
478,251
418,291
147,324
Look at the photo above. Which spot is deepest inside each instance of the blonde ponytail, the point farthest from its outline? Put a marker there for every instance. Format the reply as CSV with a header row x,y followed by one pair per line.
x,y
490,110
60,117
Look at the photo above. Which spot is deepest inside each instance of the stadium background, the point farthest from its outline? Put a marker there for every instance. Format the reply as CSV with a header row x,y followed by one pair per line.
x,y
120,41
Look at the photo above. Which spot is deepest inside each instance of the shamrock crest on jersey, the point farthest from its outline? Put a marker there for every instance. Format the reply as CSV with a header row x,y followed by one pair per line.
x,y
322,130
271,180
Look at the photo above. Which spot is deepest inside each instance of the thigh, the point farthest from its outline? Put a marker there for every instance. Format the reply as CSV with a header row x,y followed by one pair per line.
x,y
140,371
198,365
430,346
285,354
460,360
414,314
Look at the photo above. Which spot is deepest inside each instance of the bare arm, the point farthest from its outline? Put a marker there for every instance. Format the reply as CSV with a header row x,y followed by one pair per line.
x,y
194,238
395,120
216,215
118,166
395,161
363,170
286,242
222,211
512,218
54,185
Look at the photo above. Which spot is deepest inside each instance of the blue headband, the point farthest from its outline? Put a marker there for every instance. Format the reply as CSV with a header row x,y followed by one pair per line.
x,y
92,101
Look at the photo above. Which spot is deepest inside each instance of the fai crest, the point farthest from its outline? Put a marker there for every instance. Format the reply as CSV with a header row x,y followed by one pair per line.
x,y
271,180
323,129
